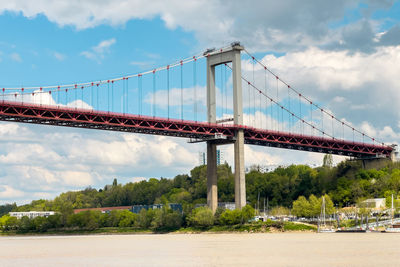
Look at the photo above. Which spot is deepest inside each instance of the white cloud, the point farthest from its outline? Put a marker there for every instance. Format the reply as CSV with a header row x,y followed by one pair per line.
x,y
99,51
386,133
138,179
77,179
59,56
53,160
355,86
190,96
8,192
9,129
263,25
16,57
42,195
47,98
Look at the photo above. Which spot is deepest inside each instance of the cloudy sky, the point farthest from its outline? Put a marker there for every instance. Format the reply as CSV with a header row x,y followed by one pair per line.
x,y
344,55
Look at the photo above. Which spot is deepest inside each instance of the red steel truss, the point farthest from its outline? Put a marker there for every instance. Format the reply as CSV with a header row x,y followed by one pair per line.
x,y
83,118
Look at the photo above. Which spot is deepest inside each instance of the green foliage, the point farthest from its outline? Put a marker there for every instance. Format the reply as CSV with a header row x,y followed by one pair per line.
x,y
173,220
9,223
290,226
127,218
247,213
315,206
312,207
329,206
5,209
328,161
145,218
301,207
231,217
166,218
201,217
300,187
25,225
88,220
345,184
396,200
279,211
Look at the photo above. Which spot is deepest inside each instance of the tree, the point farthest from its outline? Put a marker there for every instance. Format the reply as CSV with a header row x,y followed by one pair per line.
x,y
315,206
230,217
202,217
41,224
4,209
127,218
25,225
279,211
89,220
329,206
301,207
9,223
55,221
327,161
145,218
173,220
247,213
166,218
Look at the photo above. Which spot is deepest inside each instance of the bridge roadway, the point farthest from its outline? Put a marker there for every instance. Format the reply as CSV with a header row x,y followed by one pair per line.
x,y
84,118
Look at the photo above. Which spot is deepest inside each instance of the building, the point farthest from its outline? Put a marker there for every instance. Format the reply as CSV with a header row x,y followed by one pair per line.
x,y
173,206
31,214
134,208
264,168
203,158
374,203
227,205
104,209
222,205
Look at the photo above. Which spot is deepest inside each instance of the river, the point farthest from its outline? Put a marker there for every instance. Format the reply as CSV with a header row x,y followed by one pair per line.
x,y
272,249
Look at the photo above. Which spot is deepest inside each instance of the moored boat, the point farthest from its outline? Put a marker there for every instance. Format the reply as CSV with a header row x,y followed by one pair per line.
x,y
394,228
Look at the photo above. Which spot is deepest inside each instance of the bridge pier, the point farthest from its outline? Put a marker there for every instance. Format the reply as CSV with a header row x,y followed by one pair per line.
x,y
212,191
215,58
375,163
240,181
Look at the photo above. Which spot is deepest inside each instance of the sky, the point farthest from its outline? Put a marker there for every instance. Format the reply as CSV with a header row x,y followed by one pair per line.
x,y
344,55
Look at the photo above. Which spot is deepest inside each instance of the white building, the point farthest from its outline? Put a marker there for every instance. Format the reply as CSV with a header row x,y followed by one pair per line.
x,y
374,203
227,205
32,214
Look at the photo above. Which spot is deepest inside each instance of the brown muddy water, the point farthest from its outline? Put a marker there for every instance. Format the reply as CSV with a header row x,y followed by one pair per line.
x,y
280,249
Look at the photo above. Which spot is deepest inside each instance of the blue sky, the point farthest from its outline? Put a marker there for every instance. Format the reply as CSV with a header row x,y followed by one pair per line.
x,y
342,54
49,54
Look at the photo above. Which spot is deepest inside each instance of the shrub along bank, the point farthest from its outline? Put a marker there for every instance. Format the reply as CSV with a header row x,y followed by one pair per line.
x,y
160,220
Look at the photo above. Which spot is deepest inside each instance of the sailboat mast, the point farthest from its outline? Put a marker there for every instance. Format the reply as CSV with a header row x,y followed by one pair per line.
x,y
323,207
392,213
264,206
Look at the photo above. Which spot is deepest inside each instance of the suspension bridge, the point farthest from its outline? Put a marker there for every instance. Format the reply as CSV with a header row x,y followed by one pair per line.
x,y
205,98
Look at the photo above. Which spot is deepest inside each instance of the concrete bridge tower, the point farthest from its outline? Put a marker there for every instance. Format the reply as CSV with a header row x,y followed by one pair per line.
x,y
215,58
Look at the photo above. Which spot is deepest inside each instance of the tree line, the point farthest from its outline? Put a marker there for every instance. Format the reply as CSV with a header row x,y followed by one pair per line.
x,y
345,185
164,219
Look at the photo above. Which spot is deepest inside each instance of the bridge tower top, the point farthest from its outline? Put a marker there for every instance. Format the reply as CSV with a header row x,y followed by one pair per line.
x,y
218,57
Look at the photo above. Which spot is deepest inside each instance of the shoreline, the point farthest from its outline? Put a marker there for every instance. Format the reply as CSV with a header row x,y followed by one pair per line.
x,y
181,231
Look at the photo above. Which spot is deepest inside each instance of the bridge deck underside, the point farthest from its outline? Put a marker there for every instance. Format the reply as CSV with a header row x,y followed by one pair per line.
x,y
81,118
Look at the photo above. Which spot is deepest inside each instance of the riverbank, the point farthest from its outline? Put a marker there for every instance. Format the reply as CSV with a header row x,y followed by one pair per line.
x,y
258,227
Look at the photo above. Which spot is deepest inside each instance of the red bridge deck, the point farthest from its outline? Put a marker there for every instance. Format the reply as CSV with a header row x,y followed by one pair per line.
x,y
83,118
